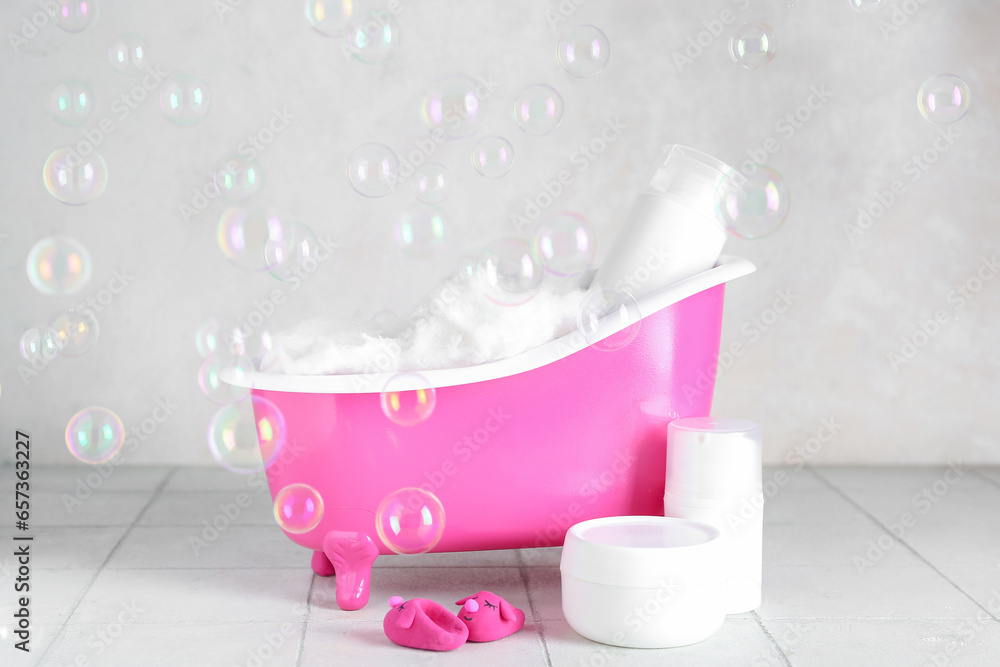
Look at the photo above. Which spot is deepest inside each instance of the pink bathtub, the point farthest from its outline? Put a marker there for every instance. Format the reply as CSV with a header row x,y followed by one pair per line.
x,y
516,450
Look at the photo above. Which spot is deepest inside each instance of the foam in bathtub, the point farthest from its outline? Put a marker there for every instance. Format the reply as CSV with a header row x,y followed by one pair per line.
x,y
456,327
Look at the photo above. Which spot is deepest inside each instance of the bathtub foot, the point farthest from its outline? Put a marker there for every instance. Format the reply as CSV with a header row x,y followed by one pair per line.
x,y
321,565
352,556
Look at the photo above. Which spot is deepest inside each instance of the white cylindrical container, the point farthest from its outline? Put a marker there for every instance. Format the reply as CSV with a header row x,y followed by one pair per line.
x,y
643,581
674,229
714,476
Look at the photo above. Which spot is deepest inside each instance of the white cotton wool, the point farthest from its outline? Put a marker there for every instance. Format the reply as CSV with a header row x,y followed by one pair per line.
x,y
456,327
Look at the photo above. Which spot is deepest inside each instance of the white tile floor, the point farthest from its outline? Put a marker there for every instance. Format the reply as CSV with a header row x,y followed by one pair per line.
x,y
117,581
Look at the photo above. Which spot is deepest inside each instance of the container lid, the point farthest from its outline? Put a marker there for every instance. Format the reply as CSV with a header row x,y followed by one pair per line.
x,y
644,552
709,457
695,179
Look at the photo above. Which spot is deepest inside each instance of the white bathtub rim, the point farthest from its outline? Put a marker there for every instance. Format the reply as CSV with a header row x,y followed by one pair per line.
x,y
727,268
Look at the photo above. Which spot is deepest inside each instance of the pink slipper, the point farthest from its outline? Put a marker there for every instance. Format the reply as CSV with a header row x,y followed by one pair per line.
x,y
489,617
420,623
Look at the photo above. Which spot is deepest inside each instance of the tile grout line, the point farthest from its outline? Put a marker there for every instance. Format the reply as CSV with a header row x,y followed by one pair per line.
x,y
305,624
770,638
986,478
900,540
100,568
535,616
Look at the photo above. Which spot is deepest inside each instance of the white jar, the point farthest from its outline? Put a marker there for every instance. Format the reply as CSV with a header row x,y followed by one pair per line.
x,y
643,581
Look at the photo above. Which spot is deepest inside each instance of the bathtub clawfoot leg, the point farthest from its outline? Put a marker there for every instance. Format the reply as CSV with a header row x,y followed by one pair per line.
x,y
321,565
352,555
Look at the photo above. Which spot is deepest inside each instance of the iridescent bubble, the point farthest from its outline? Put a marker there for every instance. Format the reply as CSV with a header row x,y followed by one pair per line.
x,y
752,45
40,344
71,103
508,272
868,6
249,340
609,319
244,233
77,330
452,105
410,521
128,54
420,230
73,15
208,338
238,179
373,37
584,51
492,156
95,435
59,266
298,508
407,399
757,207
538,109
74,179
432,183
467,265
248,436
373,170
212,385
944,99
185,99
565,243
329,17
292,252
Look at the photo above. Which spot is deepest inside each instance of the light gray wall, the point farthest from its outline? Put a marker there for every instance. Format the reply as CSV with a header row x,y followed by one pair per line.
x,y
825,358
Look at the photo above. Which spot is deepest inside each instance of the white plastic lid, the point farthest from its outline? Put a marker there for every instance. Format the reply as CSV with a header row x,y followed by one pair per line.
x,y
708,457
695,179
644,552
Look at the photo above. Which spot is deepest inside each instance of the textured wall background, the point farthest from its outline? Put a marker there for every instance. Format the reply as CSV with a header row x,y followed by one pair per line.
x,y
854,302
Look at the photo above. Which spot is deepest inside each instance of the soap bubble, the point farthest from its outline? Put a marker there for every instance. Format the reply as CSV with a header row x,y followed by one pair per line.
x,y
407,399
40,343
752,45
373,37
128,54
329,17
565,244
71,103
74,15
492,156
373,170
238,179
249,340
452,105
59,266
185,99
95,435
467,265
609,319
208,338
298,508
419,230
868,6
291,252
538,109
944,99
584,51
75,179
246,437
410,521
244,233
508,272
758,206
431,183
211,383
77,330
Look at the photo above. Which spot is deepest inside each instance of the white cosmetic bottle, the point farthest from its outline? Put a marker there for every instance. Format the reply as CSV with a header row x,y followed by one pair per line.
x,y
714,476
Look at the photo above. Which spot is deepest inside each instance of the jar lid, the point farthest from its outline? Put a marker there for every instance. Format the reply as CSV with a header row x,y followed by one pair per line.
x,y
644,552
709,457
